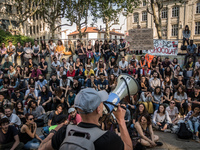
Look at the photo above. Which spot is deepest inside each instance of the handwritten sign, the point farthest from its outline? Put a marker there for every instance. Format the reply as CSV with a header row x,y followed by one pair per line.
x,y
164,47
140,39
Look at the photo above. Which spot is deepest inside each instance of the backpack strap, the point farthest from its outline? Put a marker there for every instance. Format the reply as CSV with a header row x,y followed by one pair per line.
x,y
93,133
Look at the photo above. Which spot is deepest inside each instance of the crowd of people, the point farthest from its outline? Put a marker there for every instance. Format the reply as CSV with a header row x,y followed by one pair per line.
x,y
29,98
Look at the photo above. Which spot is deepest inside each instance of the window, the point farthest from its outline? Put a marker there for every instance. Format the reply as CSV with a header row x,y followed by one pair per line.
x,y
40,27
164,31
33,29
74,36
197,27
44,26
136,17
30,30
19,10
37,29
144,3
36,16
8,8
175,11
144,16
33,17
198,8
174,30
164,13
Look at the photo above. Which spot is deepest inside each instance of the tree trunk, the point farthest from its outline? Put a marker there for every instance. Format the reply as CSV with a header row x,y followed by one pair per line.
x,y
156,20
107,30
80,33
20,28
52,27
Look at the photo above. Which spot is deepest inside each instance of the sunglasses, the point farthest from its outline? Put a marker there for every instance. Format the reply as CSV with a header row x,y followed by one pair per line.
x,y
31,118
172,103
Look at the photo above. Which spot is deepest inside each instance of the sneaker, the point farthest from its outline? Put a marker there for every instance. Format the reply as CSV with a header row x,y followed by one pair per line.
x,y
159,143
197,139
194,137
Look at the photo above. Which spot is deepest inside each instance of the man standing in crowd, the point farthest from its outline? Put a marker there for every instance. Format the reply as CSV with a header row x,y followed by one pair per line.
x,y
191,52
89,104
9,138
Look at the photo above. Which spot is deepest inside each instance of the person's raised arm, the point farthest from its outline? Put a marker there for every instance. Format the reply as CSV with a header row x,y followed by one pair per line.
x,y
16,143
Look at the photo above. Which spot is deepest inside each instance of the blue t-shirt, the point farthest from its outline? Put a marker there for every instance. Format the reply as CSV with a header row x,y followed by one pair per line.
x,y
102,84
191,48
45,97
71,99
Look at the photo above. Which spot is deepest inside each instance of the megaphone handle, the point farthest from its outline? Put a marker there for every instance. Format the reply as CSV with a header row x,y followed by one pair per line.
x,y
126,87
115,105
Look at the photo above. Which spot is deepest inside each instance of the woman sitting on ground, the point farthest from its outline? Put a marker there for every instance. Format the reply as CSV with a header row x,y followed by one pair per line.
x,y
161,118
167,96
20,111
28,133
173,112
145,132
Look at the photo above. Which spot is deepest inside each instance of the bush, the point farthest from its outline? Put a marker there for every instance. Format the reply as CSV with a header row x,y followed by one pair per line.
x,y
7,36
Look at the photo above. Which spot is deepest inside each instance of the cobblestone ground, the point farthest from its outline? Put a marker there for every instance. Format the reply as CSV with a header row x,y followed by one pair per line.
x,y
170,142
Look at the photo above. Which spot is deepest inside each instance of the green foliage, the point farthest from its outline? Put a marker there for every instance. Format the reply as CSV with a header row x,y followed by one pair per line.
x,y
7,36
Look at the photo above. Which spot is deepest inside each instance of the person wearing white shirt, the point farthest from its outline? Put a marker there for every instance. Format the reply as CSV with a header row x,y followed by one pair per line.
x,y
197,64
123,65
55,65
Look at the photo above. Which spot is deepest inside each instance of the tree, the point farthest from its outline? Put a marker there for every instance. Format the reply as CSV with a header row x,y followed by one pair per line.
x,y
77,12
157,5
25,9
52,12
109,11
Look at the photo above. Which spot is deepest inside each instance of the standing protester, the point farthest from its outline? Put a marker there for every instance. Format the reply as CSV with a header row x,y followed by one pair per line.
x,y
11,51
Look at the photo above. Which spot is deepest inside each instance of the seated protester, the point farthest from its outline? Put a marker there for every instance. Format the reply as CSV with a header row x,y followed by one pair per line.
x,y
168,72
187,73
197,64
167,96
65,84
197,75
40,83
76,87
112,83
31,92
13,84
52,48
73,118
194,98
53,84
82,53
31,82
101,70
36,72
80,73
38,112
60,49
55,65
175,63
111,64
159,60
114,49
61,72
193,121
145,132
5,102
13,118
167,83
19,73
134,64
180,98
190,84
97,51
123,65
53,117
133,59
11,72
71,62
153,63
142,62
157,97
36,51
70,99
173,112
179,82
9,136
144,84
155,81
116,71
166,63
58,98
159,72
65,64
6,65
20,111
43,66
6,82
178,71
17,95
71,71
88,72
28,134
45,98
102,83
161,118
190,64
133,72
101,64
146,98
92,82
27,51
30,64
89,62
77,64
140,110
145,72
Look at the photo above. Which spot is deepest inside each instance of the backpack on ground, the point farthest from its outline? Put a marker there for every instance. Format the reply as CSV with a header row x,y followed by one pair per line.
x,y
183,132
78,138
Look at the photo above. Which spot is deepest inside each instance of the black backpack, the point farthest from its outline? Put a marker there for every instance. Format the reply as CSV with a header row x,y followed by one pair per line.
x,y
183,132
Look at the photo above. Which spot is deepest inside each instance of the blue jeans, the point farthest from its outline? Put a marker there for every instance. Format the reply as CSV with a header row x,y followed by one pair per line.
x,y
81,80
96,57
34,143
156,106
193,125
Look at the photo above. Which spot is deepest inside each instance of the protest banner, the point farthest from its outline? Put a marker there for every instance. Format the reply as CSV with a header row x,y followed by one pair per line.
x,y
164,47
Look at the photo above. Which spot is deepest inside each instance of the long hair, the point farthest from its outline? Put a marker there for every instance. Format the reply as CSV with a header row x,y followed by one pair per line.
x,y
156,89
159,109
169,73
16,108
188,30
182,93
46,92
147,116
137,112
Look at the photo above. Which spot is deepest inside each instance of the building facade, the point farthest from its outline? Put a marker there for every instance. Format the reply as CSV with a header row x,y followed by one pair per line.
x,y
34,26
175,16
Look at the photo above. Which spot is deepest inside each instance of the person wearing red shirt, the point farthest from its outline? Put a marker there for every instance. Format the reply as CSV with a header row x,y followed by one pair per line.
x,y
36,72
71,71
73,117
